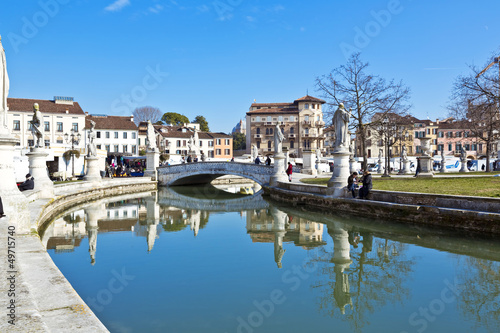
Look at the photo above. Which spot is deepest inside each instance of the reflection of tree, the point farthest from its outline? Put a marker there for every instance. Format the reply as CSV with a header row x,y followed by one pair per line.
x,y
479,299
372,280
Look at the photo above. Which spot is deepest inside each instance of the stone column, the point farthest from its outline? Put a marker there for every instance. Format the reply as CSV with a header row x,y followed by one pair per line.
x,y
406,167
425,159
464,168
279,174
443,166
152,162
352,163
338,182
308,159
15,204
93,171
152,219
38,170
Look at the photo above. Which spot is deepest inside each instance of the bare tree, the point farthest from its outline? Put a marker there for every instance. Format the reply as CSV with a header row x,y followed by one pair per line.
x,y
145,113
476,99
365,94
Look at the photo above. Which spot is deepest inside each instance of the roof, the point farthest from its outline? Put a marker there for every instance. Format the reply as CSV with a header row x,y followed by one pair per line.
x,y
274,110
308,98
176,132
46,106
111,122
284,106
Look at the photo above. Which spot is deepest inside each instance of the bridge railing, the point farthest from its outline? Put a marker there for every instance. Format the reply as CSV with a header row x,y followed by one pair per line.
x,y
217,166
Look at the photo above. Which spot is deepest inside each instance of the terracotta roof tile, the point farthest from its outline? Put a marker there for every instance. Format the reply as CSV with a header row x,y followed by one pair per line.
x,y
274,110
111,122
308,98
46,106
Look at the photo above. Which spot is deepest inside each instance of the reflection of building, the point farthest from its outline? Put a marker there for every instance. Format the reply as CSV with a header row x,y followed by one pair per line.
x,y
65,233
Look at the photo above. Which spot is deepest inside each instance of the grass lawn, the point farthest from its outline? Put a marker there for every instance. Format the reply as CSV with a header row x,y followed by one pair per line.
x,y
474,186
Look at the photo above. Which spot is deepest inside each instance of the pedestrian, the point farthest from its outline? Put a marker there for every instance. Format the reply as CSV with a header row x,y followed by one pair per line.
x,y
289,171
1,209
352,183
257,160
367,185
232,159
268,160
28,184
189,160
418,167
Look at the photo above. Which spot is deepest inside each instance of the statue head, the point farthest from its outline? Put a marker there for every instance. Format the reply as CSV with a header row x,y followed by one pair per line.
x,y
36,107
341,105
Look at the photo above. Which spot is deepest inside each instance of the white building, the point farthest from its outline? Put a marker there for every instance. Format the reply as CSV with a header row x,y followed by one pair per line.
x,y
116,135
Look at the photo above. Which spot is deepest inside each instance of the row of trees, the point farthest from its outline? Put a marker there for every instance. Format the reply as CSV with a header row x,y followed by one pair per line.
x,y
145,113
370,98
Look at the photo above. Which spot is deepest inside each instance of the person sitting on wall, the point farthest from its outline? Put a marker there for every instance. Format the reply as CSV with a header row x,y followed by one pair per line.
x,y
28,184
367,185
352,183
257,160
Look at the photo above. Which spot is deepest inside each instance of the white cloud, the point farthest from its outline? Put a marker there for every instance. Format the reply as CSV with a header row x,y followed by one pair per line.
x,y
117,5
156,9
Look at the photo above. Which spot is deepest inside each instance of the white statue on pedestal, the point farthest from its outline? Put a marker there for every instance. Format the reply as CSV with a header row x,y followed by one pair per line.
x,y
255,152
91,148
278,140
36,127
150,135
404,154
341,125
463,155
4,91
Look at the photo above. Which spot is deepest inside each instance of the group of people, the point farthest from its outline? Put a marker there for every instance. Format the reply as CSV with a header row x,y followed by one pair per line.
x,y
366,180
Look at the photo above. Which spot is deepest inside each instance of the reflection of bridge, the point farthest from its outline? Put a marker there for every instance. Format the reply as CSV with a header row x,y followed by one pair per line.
x,y
205,172
211,201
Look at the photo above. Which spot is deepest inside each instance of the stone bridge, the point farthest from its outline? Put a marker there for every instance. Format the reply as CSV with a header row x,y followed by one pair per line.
x,y
205,172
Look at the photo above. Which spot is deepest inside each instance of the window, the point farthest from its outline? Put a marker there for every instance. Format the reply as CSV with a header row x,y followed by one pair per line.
x,y
306,106
124,135
107,135
258,130
31,143
116,135
59,127
292,118
306,118
46,126
133,135
466,134
291,144
98,134
59,141
47,143
292,130
440,134
458,134
98,146
178,143
218,152
125,147
269,144
467,146
227,151
270,131
74,127
318,118
269,118
474,147
17,125
257,119
280,118
458,146
107,148
116,149
450,147
306,131
201,143
267,131
258,144
134,149
227,142
218,142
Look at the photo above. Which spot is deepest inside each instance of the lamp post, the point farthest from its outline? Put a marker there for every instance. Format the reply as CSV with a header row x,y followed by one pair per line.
x,y
74,138
385,128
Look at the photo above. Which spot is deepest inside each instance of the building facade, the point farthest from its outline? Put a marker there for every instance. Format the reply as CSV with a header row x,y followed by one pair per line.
x,y
116,135
300,121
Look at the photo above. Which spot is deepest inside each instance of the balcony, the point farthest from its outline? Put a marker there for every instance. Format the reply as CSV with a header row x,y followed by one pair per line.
x,y
269,123
306,123
257,136
320,123
292,136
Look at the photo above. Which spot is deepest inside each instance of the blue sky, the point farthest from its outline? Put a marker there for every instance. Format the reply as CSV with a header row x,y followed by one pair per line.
x,y
213,58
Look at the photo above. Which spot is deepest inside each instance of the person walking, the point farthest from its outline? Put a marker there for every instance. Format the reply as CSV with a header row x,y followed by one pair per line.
x,y
352,181
289,171
418,167
1,209
257,160
367,185
268,160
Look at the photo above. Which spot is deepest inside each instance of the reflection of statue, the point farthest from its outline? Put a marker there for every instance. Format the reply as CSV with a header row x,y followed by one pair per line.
x,y
341,124
4,90
404,154
463,155
278,248
91,150
278,140
150,135
36,127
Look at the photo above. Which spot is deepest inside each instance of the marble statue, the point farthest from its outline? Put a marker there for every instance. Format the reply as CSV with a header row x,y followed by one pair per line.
x,y
4,91
463,155
255,152
36,127
380,153
278,140
404,154
150,135
91,148
318,154
341,125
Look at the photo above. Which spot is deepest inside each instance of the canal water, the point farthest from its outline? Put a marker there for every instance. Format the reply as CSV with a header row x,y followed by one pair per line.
x,y
201,259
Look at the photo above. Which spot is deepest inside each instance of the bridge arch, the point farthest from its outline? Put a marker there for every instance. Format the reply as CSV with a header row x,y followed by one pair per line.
x,y
205,172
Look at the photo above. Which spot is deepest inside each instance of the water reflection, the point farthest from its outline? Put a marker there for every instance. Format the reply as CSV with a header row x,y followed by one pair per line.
x,y
362,267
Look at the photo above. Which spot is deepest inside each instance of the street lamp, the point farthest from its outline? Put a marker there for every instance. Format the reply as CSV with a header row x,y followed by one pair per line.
x,y
74,138
385,128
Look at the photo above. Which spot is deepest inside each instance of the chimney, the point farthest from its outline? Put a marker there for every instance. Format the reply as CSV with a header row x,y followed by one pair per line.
x,y
132,118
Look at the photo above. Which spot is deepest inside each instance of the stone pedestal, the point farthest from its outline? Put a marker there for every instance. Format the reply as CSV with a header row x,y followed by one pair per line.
x,y
38,170
352,164
443,167
338,182
463,167
152,162
308,163
426,167
93,172
406,167
15,204
279,174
